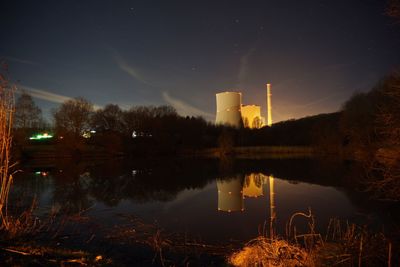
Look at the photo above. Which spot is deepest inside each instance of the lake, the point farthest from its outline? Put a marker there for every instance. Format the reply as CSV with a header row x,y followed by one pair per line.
x,y
216,201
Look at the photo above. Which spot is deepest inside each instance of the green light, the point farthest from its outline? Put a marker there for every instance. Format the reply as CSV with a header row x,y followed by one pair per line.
x,y
41,136
37,173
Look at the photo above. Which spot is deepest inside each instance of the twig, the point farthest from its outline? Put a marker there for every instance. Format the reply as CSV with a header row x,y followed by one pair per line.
x,y
16,251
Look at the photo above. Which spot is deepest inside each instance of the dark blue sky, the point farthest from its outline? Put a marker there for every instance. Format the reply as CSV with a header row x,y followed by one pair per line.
x,y
315,53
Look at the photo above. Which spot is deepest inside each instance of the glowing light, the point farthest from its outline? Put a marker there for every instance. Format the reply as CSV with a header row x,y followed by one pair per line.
x,y
40,136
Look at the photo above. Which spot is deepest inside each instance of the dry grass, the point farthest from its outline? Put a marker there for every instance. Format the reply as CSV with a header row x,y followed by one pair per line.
x,y
344,245
276,252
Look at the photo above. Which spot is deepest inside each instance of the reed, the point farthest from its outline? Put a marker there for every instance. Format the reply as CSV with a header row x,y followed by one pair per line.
x,y
6,120
344,245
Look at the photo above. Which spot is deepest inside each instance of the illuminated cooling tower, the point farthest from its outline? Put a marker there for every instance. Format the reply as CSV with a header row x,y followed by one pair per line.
x,y
251,115
228,109
253,185
230,195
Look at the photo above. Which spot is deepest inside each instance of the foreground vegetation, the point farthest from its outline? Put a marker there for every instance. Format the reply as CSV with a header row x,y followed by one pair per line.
x,y
343,244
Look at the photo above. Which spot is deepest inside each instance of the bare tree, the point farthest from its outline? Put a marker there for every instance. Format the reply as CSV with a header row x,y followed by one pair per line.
x,y
108,118
27,113
73,117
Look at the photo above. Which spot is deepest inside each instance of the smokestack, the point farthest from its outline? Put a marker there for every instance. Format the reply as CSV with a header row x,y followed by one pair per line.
x,y
269,107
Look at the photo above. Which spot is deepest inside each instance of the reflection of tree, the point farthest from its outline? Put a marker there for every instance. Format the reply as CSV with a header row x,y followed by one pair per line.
x,y
258,180
26,188
143,182
71,185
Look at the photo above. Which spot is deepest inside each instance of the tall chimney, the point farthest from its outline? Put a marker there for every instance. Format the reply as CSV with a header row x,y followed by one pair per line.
x,y
269,107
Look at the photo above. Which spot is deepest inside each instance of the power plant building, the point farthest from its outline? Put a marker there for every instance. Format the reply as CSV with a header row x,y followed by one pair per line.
x,y
231,112
229,109
251,116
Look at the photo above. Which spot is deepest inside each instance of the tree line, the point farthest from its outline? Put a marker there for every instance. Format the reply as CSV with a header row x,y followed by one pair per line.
x,y
140,130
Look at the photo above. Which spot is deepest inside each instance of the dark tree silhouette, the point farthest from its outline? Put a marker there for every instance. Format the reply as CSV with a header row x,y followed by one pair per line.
x,y
27,114
73,117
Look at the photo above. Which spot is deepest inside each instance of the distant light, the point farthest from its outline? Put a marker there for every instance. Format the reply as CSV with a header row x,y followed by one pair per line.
x,y
93,131
41,173
40,136
134,134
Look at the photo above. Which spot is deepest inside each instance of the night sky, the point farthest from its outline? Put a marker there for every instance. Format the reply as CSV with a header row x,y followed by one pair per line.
x,y
315,54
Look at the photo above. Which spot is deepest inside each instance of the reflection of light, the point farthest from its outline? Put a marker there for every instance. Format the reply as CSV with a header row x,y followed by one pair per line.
x,y
230,195
41,136
134,134
272,206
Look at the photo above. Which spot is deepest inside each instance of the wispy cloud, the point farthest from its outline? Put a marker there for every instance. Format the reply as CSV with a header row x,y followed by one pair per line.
x,y
244,66
48,96
22,61
132,71
185,109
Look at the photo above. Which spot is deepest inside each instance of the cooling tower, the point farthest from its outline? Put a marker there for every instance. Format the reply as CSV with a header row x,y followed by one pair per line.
x,y
251,115
230,195
229,109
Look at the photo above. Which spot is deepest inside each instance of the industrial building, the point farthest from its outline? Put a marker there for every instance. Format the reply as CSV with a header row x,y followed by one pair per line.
x,y
231,112
251,116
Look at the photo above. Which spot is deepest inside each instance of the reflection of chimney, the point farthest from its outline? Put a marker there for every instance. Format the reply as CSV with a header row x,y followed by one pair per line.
x,y
230,195
269,107
272,221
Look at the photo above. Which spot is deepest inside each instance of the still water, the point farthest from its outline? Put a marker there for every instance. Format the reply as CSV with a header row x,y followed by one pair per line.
x,y
211,200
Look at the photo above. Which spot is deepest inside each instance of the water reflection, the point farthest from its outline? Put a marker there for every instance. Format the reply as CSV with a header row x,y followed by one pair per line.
x,y
272,211
180,194
230,194
233,191
253,185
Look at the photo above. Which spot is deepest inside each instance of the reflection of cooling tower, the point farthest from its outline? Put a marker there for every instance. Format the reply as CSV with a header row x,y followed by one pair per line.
x,y
251,115
230,195
228,108
253,185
